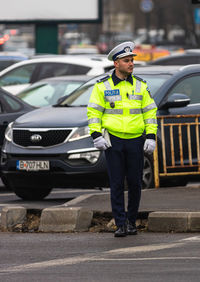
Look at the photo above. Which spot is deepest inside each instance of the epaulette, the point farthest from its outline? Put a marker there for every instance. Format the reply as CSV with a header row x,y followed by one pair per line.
x,y
103,78
139,78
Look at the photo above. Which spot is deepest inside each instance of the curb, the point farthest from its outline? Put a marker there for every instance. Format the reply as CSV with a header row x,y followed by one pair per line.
x,y
12,217
54,219
172,221
72,219
64,219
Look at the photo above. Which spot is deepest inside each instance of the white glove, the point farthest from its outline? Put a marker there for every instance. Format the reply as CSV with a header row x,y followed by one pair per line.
x,y
100,143
149,146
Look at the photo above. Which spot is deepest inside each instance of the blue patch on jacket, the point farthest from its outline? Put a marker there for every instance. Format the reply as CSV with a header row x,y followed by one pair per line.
x,y
111,92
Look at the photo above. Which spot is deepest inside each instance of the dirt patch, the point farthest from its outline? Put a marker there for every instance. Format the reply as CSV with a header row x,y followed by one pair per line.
x,y
31,223
103,222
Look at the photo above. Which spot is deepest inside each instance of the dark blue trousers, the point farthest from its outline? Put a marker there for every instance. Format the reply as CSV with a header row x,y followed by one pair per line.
x,y
125,159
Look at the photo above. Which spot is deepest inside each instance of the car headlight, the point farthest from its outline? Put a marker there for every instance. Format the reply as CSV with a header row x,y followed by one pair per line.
x,y
91,157
9,132
80,133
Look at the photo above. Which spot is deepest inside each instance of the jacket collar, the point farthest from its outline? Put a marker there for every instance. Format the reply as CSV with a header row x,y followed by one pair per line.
x,y
117,80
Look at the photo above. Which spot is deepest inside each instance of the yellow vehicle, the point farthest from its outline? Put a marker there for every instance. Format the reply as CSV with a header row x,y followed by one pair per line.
x,y
149,52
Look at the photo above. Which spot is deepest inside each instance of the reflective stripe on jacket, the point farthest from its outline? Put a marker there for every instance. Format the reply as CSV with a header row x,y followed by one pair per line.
x,y
125,110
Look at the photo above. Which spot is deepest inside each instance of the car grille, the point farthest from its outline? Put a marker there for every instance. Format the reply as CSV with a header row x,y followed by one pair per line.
x,y
47,138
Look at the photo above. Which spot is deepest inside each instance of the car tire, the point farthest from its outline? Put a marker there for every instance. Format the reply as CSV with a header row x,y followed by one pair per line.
x,y
32,194
148,172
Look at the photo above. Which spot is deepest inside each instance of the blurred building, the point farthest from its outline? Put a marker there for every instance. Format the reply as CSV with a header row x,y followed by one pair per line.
x,y
170,23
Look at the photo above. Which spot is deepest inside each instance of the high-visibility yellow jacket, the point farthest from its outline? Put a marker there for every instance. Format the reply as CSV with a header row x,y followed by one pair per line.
x,y
126,110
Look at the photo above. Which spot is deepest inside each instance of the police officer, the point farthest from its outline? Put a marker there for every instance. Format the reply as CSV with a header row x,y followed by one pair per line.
x,y
121,103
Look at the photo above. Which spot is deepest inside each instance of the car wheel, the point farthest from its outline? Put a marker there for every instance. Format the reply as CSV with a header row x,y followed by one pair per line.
x,y
32,194
148,173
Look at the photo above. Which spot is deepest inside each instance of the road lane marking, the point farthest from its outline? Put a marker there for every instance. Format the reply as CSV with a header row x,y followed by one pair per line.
x,y
147,248
45,264
192,239
71,191
149,258
7,194
6,204
64,191
82,259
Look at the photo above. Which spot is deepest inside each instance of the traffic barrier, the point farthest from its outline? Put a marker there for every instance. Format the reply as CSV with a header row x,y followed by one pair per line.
x,y
178,153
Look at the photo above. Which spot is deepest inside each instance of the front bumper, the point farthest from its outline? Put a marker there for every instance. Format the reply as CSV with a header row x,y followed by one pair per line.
x,y
64,172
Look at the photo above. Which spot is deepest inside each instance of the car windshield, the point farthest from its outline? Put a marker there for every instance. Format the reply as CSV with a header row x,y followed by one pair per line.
x,y
81,96
154,81
48,93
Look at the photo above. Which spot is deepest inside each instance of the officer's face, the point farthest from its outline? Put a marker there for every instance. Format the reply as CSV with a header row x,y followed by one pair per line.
x,y
124,65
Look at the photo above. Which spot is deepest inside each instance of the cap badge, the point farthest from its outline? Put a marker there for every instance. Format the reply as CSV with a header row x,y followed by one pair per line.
x,y
127,49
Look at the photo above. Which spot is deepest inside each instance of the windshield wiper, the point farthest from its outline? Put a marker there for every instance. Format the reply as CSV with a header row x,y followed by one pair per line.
x,y
67,105
62,106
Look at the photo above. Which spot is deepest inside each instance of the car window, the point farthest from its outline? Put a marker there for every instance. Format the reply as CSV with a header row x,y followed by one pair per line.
x,y
21,75
106,69
44,94
76,69
80,96
187,60
12,104
6,63
60,69
38,96
71,87
154,81
184,60
189,86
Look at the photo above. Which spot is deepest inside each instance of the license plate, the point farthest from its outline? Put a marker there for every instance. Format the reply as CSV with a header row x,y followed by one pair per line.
x,y
32,165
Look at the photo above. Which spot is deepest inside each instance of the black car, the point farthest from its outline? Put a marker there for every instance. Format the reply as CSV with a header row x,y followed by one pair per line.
x,y
51,147
187,57
10,108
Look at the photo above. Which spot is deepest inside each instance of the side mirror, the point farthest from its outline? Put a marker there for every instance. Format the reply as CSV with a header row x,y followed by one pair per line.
x,y
176,100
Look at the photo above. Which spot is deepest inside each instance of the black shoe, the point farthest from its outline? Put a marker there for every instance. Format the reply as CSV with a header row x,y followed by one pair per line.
x,y
121,231
131,229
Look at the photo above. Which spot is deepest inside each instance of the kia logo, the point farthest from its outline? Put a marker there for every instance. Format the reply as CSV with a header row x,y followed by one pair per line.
x,y
36,138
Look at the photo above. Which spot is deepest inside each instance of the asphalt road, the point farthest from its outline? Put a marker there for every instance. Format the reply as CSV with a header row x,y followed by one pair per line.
x,y
87,256
147,257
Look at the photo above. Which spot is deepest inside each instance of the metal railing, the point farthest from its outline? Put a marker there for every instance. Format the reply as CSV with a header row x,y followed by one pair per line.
x,y
179,149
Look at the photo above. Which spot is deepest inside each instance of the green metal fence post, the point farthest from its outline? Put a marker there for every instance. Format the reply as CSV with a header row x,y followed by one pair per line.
x,y
46,38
